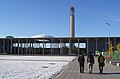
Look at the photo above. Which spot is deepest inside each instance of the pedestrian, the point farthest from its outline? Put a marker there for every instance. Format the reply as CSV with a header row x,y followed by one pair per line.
x,y
90,61
81,60
101,61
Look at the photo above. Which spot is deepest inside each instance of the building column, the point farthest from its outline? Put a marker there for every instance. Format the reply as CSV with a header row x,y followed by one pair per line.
x,y
114,44
34,52
7,46
3,46
39,49
78,47
70,47
43,47
18,45
32,46
96,44
11,47
21,50
26,45
30,50
105,45
61,46
14,52
87,46
29,47
51,46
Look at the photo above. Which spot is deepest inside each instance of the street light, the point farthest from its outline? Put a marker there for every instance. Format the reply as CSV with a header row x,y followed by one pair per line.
x,y
108,37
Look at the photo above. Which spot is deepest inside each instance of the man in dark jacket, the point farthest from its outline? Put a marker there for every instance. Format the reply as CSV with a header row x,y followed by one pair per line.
x,y
81,60
101,61
90,61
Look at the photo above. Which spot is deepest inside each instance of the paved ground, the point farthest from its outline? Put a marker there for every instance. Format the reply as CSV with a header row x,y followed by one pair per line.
x,y
72,72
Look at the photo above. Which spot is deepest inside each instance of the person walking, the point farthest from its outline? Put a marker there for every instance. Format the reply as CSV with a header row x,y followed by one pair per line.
x,y
81,60
101,61
90,61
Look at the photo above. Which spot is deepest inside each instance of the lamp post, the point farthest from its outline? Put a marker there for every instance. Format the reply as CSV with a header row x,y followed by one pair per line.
x,y
108,37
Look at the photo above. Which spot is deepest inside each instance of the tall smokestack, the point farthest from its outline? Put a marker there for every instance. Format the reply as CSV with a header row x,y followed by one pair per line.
x,y
72,29
72,22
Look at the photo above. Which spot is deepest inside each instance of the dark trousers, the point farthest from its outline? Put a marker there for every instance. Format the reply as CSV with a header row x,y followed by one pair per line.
x,y
81,67
101,65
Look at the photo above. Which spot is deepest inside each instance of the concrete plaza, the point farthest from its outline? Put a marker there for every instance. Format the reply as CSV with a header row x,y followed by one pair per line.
x,y
72,71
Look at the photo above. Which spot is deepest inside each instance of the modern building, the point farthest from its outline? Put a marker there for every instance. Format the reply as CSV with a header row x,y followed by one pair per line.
x,y
49,45
32,46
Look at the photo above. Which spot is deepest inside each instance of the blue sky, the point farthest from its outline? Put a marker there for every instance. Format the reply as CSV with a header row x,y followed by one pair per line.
x,y
26,18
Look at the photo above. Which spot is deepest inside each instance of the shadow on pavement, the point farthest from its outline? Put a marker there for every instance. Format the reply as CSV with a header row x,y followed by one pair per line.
x,y
105,73
108,73
111,73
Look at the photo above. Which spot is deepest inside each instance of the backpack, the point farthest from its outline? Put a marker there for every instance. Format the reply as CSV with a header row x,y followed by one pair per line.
x,y
101,59
81,59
